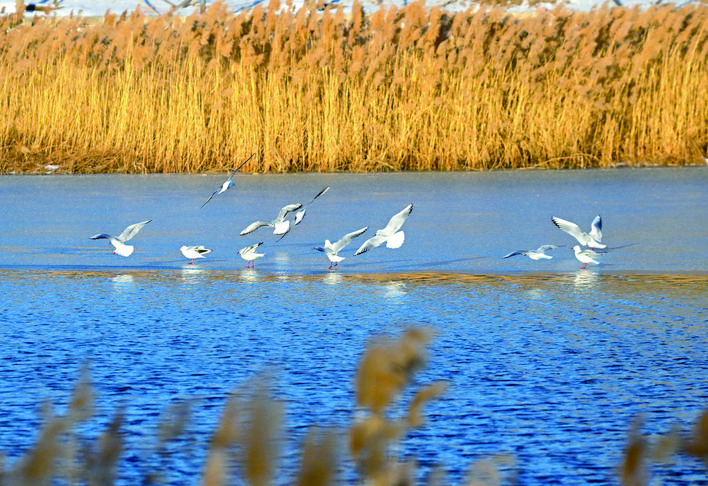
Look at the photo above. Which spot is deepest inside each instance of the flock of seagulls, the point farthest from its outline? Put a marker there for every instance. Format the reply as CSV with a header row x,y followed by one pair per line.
x,y
592,240
588,250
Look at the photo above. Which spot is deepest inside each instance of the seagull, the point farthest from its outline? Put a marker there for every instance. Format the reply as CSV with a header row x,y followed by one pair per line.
x,y
585,256
280,225
331,250
249,254
228,183
301,214
538,254
194,252
591,240
119,241
390,234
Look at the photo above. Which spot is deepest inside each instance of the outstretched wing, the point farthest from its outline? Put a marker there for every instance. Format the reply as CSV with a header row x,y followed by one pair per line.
x,y
101,236
571,228
237,168
254,226
212,195
323,191
285,210
370,244
545,248
299,216
596,229
131,231
396,222
515,253
346,239
250,249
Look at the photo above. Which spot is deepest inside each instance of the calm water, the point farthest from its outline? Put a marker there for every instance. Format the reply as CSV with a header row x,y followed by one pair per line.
x,y
545,362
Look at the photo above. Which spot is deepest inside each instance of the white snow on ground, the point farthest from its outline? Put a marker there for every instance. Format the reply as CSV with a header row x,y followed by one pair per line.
x,y
99,8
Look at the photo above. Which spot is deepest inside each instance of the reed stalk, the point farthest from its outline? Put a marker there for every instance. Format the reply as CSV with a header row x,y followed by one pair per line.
x,y
410,88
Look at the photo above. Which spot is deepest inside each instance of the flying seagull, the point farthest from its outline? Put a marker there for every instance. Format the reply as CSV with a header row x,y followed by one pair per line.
x,y
390,234
280,224
228,183
585,256
193,252
591,239
538,254
249,254
118,242
332,249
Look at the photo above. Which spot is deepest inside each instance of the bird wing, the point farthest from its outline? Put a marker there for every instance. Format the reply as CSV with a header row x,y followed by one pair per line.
x,y
285,210
299,216
131,231
370,244
596,229
346,239
571,228
515,253
250,249
254,226
237,168
212,195
545,248
201,250
101,236
323,191
396,221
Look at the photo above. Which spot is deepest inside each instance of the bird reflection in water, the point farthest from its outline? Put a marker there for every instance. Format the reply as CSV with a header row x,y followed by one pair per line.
x,y
585,279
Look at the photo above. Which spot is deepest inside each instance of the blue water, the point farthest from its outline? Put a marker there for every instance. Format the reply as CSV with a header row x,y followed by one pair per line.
x,y
546,363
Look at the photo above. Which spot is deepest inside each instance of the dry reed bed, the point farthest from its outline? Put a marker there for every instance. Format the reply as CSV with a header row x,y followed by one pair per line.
x,y
247,439
310,90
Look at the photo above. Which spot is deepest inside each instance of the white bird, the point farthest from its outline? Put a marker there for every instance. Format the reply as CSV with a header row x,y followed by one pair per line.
x,y
118,242
194,252
591,239
390,234
301,214
332,249
228,183
280,225
585,256
249,254
538,254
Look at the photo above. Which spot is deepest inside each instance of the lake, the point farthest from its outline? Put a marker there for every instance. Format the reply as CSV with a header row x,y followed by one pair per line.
x,y
545,362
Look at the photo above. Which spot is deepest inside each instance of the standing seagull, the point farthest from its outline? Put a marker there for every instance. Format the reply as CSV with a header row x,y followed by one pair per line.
x,y
228,183
585,256
249,254
301,214
390,234
118,242
280,225
194,252
331,250
538,254
591,239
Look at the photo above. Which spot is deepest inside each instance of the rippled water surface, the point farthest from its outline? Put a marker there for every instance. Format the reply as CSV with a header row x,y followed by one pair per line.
x,y
545,362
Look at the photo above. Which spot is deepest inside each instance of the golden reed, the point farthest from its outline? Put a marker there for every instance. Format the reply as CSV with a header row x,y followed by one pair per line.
x,y
314,89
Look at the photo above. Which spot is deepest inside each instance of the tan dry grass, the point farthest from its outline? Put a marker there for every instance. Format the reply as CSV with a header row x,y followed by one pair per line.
x,y
401,89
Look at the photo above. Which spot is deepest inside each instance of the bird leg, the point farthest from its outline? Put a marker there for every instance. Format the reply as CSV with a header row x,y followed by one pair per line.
x,y
585,266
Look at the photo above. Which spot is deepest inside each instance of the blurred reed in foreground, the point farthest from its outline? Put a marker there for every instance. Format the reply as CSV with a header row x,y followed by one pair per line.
x,y
317,90
246,440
